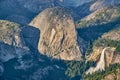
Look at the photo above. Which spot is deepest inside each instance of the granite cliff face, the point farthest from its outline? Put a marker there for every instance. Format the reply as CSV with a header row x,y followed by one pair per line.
x,y
58,38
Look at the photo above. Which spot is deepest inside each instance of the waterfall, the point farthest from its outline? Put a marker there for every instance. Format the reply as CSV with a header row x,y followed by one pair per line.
x,y
101,64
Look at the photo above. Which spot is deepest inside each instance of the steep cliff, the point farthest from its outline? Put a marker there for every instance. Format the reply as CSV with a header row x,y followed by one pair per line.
x,y
58,36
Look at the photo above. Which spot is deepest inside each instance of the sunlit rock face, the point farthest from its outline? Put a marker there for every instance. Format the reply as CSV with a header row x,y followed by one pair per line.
x,y
10,33
58,38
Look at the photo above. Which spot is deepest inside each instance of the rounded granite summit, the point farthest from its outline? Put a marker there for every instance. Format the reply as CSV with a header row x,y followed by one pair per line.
x,y
58,38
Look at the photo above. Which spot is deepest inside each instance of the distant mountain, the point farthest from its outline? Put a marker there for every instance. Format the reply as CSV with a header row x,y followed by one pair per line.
x,y
98,4
101,16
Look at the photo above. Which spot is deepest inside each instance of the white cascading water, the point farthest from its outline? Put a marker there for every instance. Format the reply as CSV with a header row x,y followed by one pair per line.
x,y
101,64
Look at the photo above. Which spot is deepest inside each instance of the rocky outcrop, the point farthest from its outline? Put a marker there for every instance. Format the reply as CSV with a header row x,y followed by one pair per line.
x,y
16,41
10,33
58,38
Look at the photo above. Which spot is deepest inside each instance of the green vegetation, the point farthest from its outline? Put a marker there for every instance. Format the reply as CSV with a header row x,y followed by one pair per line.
x,y
100,75
11,27
85,23
89,48
109,43
77,68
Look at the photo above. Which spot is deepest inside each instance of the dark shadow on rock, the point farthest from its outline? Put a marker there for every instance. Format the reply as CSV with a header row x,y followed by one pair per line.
x,y
31,36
